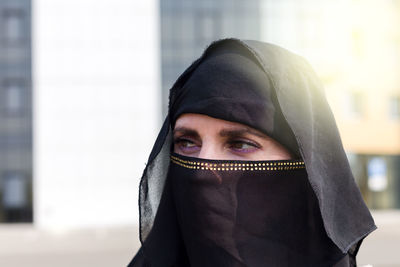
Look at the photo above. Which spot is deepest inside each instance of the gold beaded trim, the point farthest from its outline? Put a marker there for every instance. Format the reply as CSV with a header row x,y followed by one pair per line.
x,y
264,166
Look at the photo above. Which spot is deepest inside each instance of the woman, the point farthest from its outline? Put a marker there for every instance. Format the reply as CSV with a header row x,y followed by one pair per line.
x,y
249,169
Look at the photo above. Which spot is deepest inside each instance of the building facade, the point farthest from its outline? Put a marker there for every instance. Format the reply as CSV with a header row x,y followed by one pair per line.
x,y
96,103
354,55
187,27
74,138
15,111
354,48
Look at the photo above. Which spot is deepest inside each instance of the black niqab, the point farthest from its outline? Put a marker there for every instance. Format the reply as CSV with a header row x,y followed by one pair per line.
x,y
275,91
249,213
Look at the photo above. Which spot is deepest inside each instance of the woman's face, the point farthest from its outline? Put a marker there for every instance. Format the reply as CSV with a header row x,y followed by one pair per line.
x,y
201,136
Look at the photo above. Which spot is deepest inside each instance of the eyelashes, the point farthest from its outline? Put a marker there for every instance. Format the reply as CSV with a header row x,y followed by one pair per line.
x,y
243,146
190,145
187,145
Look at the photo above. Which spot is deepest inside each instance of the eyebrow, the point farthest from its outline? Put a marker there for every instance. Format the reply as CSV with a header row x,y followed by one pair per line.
x,y
186,131
222,133
239,132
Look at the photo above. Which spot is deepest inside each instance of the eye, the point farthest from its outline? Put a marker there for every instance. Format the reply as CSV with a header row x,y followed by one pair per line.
x,y
186,145
243,146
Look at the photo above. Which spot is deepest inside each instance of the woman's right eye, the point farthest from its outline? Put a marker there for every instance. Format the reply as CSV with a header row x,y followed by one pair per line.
x,y
186,145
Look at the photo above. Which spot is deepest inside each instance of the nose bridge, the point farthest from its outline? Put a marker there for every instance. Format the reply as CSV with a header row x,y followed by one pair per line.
x,y
211,150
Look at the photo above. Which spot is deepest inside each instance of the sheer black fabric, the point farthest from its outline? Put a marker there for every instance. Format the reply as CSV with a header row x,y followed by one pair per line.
x,y
245,213
276,92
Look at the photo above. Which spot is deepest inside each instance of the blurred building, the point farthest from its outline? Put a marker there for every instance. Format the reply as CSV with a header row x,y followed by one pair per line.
x,y
354,46
188,27
96,103
15,111
99,68
83,126
366,101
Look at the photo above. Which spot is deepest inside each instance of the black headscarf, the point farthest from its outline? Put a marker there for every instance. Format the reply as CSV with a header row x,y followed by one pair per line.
x,y
276,92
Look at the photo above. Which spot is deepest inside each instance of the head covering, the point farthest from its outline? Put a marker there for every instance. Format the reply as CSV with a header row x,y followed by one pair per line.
x,y
230,84
270,89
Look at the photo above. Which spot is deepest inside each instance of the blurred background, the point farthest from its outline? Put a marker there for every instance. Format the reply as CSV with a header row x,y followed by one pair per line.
x,y
83,92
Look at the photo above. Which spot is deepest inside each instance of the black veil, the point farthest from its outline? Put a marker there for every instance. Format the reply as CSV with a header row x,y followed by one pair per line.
x,y
300,100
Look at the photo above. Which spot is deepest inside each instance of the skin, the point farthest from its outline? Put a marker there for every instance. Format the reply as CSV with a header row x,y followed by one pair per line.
x,y
201,136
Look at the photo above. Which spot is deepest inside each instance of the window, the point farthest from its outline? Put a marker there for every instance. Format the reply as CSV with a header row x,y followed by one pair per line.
x,y
358,42
15,201
14,191
394,107
355,104
13,98
13,20
377,174
207,26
